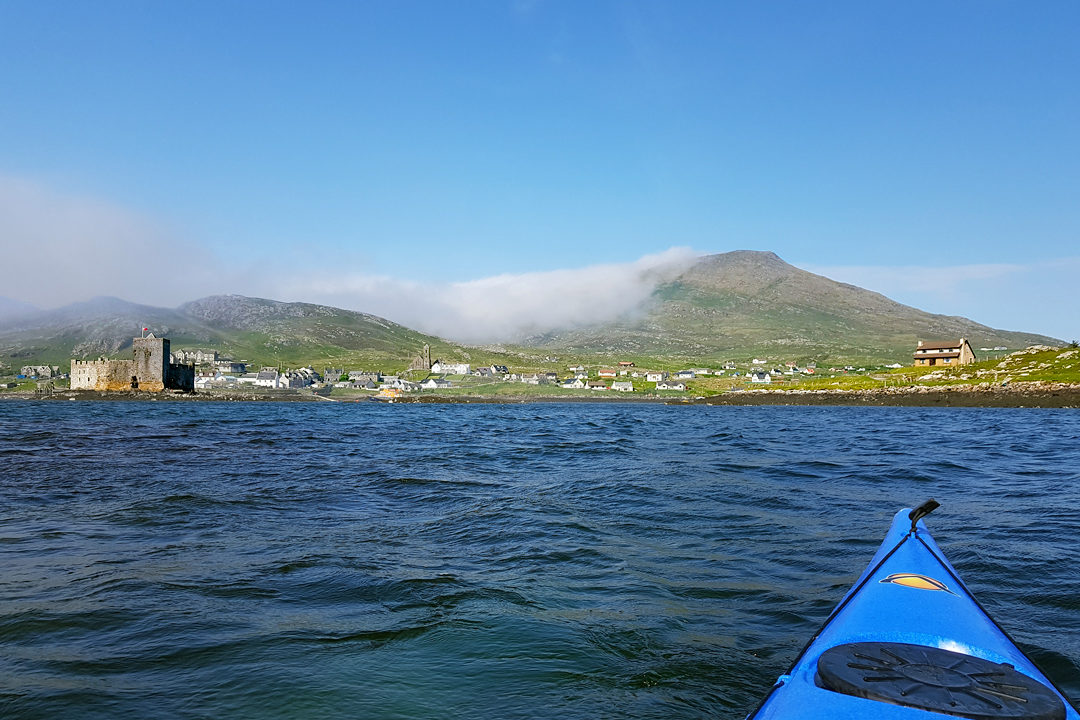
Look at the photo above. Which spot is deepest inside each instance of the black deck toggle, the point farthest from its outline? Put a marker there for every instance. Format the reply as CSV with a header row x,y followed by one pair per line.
x,y
922,511
928,678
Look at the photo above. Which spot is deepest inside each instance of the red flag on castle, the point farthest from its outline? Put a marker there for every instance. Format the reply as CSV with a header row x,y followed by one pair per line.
x,y
145,330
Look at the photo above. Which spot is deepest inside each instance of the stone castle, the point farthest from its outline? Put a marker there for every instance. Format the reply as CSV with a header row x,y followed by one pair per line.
x,y
149,369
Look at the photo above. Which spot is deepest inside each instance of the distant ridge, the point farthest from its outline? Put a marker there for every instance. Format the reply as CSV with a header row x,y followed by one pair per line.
x,y
250,329
751,302
14,308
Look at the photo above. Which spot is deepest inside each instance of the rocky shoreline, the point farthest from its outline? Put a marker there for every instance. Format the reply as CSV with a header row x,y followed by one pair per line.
x,y
1014,395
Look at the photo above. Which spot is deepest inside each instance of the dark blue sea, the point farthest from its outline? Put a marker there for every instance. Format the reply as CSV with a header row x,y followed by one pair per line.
x,y
321,560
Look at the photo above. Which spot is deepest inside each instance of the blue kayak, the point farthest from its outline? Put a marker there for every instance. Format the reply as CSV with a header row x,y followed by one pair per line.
x,y
909,642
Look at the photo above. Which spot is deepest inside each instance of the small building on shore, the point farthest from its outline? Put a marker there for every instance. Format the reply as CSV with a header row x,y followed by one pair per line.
x,y
949,352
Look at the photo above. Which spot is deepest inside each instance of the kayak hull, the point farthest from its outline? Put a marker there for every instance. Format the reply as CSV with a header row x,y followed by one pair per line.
x,y
910,595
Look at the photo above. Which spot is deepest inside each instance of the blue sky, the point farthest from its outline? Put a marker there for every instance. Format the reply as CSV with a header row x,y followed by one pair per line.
x,y
926,150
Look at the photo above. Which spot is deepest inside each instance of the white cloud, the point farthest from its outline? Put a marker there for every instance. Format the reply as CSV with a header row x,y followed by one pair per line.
x,y
69,247
501,307
63,247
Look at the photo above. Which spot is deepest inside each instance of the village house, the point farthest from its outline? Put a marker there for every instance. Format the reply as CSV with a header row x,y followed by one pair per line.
x,y
214,378
436,384
40,371
551,377
950,352
656,375
194,357
500,370
205,380
230,366
449,368
623,386
576,368
574,384
626,363
685,375
607,373
269,378
596,385
671,385
581,375
761,377
301,378
530,379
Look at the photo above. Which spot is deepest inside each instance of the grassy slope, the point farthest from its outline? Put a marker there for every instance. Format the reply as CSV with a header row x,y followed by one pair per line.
x,y
745,304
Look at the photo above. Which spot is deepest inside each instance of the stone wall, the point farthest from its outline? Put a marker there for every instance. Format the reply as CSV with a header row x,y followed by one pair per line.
x,y
181,377
101,374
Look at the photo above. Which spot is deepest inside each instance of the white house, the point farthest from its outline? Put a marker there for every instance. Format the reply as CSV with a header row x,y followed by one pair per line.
x,y
448,368
671,385
757,361
623,386
581,375
435,384
574,384
685,375
761,377
269,378
400,384
656,376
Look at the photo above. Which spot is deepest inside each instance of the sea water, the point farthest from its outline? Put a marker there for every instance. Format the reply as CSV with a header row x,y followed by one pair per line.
x,y
325,560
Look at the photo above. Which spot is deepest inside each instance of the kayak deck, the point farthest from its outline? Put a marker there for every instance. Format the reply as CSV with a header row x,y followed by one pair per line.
x,y
949,657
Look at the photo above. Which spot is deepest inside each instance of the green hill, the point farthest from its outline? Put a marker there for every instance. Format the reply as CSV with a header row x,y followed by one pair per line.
x,y
257,331
745,303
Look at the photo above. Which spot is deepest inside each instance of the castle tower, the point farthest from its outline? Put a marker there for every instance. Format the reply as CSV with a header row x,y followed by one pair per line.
x,y
150,368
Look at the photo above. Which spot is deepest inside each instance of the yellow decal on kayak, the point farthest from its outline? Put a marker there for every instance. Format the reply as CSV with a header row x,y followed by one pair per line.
x,y
919,582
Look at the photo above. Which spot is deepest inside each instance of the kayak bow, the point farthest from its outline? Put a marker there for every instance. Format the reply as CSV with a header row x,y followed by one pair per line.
x,y
909,642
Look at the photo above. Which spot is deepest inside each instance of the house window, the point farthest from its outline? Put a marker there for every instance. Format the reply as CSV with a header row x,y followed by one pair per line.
x,y
947,360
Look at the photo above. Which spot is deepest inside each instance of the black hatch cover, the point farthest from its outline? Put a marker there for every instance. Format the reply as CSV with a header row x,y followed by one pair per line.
x,y
938,680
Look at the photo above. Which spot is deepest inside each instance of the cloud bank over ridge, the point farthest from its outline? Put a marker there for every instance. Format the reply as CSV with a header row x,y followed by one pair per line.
x,y
76,247
502,307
